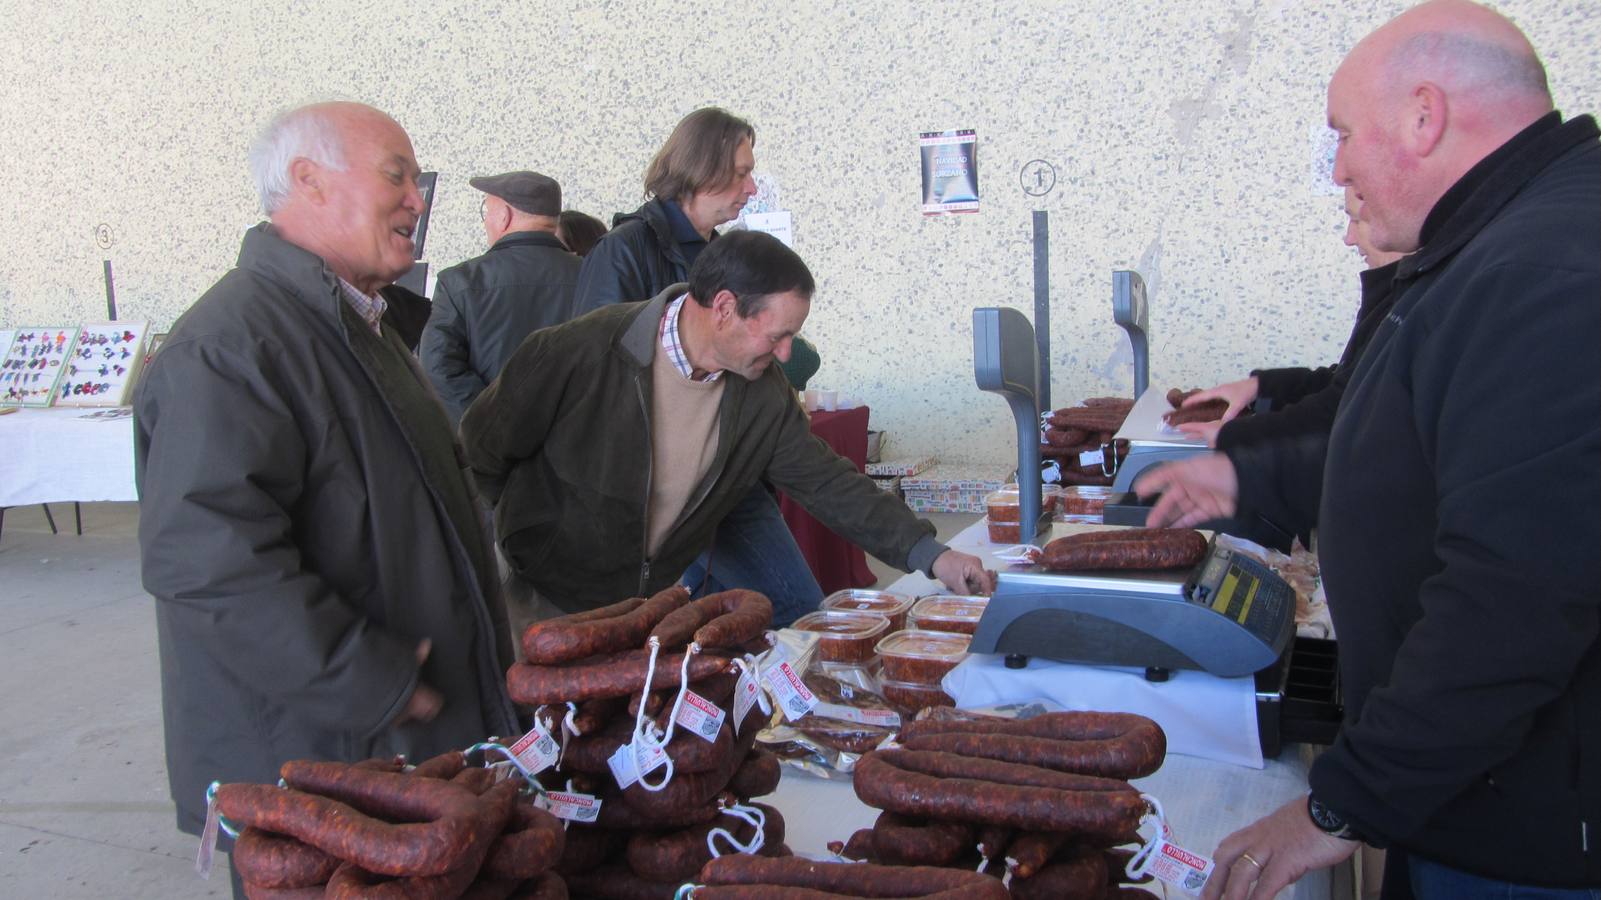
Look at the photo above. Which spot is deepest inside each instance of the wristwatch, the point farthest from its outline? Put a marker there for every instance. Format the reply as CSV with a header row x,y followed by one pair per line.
x,y
1329,821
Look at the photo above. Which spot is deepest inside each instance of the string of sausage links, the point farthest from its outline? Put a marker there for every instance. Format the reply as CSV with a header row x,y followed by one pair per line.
x,y
750,814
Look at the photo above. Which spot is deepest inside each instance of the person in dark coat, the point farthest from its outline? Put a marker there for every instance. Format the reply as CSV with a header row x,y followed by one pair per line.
x,y
579,232
699,179
1459,485
484,307
323,585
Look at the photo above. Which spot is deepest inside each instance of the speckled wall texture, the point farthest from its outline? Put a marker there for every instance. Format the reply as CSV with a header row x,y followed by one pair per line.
x,y
1181,134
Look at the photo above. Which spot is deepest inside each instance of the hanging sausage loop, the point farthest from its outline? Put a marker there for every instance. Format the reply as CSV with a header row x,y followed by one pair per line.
x,y
645,731
749,666
751,815
1140,863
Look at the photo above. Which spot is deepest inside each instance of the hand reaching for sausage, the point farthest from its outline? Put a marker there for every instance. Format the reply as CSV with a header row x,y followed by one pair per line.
x,y
963,573
1238,394
1193,491
424,702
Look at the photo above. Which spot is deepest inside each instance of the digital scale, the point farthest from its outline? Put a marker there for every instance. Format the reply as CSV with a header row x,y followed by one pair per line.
x,y
1229,616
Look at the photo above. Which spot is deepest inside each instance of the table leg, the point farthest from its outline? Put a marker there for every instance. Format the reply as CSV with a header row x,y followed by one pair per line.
x,y
49,518
77,516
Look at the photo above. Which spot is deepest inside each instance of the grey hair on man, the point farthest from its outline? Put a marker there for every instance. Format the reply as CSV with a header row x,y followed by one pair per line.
x,y
305,131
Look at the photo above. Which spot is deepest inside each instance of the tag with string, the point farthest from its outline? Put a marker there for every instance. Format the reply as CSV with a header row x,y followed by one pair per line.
x,y
536,750
570,806
701,716
208,837
746,690
1165,860
787,688
631,761
1018,553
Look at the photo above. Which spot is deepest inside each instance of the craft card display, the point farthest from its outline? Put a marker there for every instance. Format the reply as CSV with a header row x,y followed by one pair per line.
x,y
33,365
103,365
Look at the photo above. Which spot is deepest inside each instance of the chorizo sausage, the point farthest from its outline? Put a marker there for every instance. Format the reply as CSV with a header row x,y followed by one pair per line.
x,y
586,847
352,882
940,764
1205,411
1032,850
992,891
900,841
612,675
615,881
757,776
1112,745
723,619
444,766
549,886
678,855
565,639
1080,875
262,892
532,842
688,751
993,841
850,879
1109,813
277,861
1122,403
1131,548
859,847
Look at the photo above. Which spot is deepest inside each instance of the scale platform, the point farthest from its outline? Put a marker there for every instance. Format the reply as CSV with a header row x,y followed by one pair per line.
x,y
1230,616
1150,440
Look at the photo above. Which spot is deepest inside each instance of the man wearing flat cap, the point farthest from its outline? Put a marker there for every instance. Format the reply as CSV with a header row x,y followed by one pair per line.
x,y
484,307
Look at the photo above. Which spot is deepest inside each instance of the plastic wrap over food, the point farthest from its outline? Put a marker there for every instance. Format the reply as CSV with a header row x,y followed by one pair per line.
x,y
848,721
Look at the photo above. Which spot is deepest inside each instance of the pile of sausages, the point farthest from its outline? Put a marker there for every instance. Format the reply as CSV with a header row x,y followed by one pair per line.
x,y
1087,427
373,829
645,844
1124,548
1205,411
1037,805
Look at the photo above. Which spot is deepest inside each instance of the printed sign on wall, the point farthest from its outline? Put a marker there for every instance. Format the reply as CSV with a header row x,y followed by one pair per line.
x,y
103,365
33,365
950,171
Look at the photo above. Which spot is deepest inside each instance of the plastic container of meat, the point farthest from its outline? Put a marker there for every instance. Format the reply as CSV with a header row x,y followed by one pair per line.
x,y
921,657
845,637
1004,506
1082,503
893,607
948,612
913,698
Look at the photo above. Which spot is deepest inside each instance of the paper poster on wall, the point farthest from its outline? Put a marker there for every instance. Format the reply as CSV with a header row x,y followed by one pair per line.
x,y
779,224
103,366
950,171
33,365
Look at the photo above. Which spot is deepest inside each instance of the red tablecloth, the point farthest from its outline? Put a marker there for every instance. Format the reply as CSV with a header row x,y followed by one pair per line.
x,y
837,563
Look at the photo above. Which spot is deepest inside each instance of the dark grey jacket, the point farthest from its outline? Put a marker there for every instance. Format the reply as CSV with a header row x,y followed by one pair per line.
x,y
484,307
304,523
562,442
632,262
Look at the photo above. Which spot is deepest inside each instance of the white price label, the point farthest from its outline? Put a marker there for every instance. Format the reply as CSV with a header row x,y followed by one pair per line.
x,y
887,718
575,807
790,692
1092,457
745,691
701,716
537,749
630,763
1173,865
208,840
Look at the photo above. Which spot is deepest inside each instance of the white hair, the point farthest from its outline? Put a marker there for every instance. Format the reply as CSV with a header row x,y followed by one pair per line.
x,y
306,131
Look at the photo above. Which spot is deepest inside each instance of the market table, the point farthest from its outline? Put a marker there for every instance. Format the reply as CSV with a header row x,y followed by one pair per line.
x,y
1205,800
66,455
835,562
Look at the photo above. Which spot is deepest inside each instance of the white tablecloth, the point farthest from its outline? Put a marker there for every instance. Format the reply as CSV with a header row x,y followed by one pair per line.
x,y
59,455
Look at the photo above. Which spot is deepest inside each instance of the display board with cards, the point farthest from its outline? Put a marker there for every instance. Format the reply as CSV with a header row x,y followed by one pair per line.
x,y
34,363
103,365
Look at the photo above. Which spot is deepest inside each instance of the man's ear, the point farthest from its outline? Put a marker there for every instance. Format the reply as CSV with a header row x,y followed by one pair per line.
x,y
725,306
305,178
1427,116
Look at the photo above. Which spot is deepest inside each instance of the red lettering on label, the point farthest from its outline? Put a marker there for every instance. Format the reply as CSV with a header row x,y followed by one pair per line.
x,y
1184,856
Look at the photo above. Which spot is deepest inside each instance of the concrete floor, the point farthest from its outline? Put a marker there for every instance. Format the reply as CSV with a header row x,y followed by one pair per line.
x,y
84,811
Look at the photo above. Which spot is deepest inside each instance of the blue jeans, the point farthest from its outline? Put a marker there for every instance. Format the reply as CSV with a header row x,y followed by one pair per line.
x,y
754,550
1433,881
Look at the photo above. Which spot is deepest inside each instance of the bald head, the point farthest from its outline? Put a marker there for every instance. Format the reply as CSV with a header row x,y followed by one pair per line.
x,y
1421,100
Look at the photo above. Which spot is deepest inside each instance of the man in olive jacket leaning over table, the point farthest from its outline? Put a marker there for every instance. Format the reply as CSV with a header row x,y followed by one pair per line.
x,y
616,443
323,586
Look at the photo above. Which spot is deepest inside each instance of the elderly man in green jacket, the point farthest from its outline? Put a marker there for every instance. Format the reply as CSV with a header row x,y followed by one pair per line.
x,y
323,587
616,443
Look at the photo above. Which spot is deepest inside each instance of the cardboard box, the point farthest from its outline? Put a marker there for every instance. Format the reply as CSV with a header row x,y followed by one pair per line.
x,y
905,465
954,487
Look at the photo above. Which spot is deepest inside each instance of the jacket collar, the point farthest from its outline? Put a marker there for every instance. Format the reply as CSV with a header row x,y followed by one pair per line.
x,y
638,339
1491,185
528,238
305,274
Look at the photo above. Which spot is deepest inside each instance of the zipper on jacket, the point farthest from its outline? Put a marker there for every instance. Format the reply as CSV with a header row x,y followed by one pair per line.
x,y
644,538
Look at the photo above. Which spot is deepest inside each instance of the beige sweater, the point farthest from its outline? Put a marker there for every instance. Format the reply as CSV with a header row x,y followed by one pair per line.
x,y
683,441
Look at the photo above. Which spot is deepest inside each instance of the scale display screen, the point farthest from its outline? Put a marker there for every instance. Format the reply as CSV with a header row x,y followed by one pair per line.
x,y
1242,590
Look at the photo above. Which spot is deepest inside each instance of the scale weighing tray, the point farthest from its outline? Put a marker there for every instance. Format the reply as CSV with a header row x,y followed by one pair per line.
x,y
1150,440
1229,616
